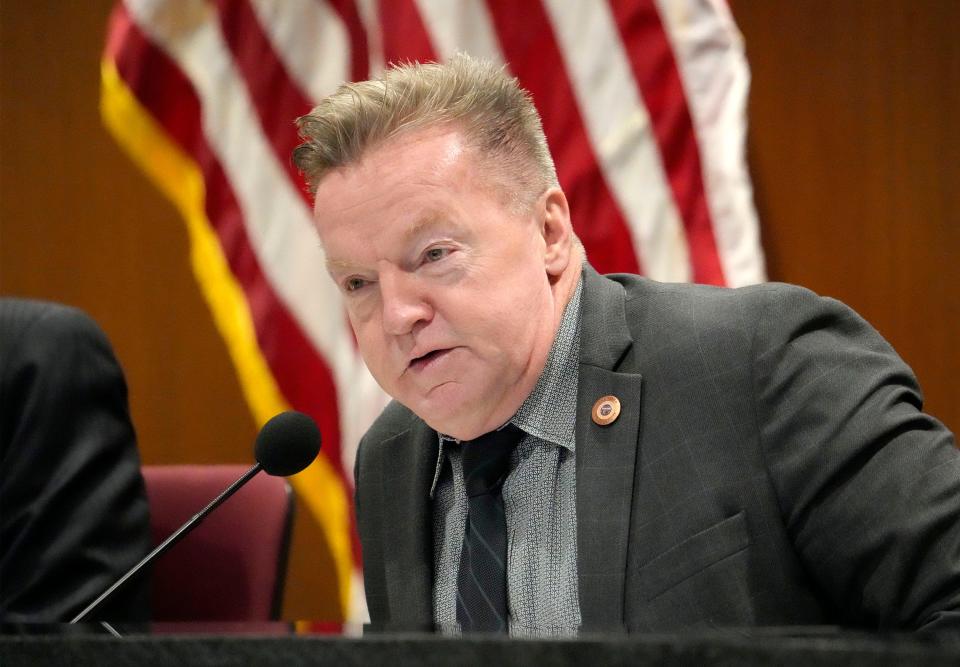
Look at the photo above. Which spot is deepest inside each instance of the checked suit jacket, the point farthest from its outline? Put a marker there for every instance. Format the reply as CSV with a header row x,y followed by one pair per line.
x,y
771,466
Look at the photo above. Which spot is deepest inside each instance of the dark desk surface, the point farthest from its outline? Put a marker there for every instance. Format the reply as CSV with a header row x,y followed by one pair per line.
x,y
21,646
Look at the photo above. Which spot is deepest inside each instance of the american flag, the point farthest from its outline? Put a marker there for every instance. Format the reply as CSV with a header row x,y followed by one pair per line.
x,y
643,105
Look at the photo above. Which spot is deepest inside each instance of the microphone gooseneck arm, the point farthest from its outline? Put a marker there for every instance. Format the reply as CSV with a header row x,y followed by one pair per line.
x,y
167,543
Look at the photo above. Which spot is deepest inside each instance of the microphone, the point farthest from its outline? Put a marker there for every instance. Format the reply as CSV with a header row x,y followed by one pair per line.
x,y
286,444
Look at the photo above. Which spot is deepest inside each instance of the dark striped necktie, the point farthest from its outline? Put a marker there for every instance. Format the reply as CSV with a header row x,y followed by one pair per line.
x,y
482,580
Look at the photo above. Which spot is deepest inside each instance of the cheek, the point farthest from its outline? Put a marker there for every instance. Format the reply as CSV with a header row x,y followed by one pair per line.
x,y
504,330
361,310
364,319
372,346
519,305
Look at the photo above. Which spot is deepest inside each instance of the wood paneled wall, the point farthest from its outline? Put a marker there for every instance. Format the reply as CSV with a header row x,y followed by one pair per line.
x,y
853,147
855,156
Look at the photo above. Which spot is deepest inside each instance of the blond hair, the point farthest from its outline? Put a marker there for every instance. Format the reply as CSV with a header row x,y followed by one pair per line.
x,y
495,115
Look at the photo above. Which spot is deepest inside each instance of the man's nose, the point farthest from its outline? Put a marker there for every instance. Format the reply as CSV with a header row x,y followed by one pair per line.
x,y
404,302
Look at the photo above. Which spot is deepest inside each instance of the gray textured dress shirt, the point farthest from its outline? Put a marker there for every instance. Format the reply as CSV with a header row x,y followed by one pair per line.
x,y
539,498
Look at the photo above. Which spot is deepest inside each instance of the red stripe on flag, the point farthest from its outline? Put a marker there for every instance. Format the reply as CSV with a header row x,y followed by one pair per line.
x,y
404,35
359,51
301,374
655,69
278,100
276,97
529,46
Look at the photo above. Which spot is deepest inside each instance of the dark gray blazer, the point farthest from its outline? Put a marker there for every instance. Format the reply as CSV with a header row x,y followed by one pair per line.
x,y
771,466
73,508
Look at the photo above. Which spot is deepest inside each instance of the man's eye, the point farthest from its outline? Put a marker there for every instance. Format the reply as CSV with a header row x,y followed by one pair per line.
x,y
435,254
353,284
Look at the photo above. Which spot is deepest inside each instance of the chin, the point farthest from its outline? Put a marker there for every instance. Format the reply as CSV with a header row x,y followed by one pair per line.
x,y
461,430
456,416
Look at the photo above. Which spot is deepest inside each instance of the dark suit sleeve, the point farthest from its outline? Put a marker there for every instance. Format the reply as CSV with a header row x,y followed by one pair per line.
x,y
74,511
368,503
868,485
393,472
374,587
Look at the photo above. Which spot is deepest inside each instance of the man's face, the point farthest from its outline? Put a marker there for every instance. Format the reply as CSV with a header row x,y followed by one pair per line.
x,y
451,294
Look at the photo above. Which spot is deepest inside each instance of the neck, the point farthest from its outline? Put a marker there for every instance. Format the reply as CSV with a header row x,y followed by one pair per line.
x,y
566,283
563,289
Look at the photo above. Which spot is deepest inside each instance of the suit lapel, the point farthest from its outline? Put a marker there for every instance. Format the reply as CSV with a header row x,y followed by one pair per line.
x,y
407,468
605,455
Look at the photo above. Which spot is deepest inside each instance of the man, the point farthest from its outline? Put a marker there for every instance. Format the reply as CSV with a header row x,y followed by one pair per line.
x,y
73,508
686,456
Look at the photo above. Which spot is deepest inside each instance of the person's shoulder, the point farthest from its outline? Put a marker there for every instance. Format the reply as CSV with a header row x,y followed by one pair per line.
x,y
639,288
45,324
394,421
681,303
657,311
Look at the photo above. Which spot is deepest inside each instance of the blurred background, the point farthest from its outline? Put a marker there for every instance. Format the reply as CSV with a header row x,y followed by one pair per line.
x,y
853,149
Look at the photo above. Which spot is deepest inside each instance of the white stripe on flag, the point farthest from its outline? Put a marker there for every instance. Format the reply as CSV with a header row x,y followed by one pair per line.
x,y
277,220
370,17
460,26
621,134
310,39
713,68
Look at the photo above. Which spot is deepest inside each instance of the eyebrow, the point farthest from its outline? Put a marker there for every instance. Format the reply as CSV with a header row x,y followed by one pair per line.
x,y
425,223
333,264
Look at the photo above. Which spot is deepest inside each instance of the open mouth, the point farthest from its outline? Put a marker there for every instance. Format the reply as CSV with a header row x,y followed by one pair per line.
x,y
424,361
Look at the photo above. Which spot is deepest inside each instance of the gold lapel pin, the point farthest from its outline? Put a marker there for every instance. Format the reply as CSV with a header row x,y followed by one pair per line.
x,y
606,410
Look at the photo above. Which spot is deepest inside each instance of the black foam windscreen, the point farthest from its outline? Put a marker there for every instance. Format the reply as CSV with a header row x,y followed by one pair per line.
x,y
287,444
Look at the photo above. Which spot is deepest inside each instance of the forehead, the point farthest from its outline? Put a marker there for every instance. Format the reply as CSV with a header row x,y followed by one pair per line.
x,y
419,156
407,176
398,191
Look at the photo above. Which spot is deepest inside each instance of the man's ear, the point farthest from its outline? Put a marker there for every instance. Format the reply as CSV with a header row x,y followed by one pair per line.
x,y
557,230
